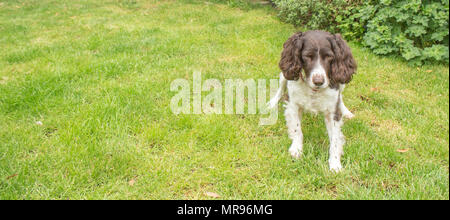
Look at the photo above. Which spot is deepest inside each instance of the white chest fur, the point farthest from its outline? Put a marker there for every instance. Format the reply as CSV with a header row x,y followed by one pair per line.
x,y
322,101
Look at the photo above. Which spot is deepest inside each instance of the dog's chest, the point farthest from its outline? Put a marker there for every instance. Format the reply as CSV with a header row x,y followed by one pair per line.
x,y
322,101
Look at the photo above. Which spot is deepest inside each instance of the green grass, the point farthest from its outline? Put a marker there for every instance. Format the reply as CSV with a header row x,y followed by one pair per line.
x,y
97,75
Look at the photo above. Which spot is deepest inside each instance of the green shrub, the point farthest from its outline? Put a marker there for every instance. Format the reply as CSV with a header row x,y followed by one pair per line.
x,y
415,29
313,14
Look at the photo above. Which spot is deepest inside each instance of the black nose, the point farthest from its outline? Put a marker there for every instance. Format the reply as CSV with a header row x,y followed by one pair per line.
x,y
318,80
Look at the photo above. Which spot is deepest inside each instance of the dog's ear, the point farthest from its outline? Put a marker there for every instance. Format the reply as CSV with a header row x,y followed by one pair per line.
x,y
291,63
343,66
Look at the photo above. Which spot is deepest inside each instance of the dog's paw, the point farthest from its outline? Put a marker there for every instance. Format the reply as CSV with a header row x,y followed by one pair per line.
x,y
296,152
335,166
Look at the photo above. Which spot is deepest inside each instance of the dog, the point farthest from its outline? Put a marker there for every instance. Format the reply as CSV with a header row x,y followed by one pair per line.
x,y
328,65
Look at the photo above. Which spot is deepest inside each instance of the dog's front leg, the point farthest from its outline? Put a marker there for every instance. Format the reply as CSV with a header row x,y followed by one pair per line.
x,y
293,121
345,112
334,123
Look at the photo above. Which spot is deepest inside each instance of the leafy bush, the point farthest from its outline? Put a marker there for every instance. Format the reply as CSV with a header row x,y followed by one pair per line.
x,y
415,29
314,14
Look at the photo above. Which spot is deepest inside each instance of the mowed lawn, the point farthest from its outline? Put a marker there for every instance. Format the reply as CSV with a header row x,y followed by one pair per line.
x,y
85,109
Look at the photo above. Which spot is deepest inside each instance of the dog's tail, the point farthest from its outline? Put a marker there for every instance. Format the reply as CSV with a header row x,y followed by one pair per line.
x,y
282,86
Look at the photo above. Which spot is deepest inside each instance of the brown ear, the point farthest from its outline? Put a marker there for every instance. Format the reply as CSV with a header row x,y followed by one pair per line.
x,y
290,63
343,66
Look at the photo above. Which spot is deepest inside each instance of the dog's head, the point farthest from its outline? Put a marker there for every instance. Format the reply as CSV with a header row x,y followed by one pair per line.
x,y
325,58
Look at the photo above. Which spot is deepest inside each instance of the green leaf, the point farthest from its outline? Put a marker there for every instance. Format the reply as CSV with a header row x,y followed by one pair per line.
x,y
410,52
437,52
420,20
386,2
416,30
440,34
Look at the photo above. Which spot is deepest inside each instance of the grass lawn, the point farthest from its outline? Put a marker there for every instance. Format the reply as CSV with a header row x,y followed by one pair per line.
x,y
85,109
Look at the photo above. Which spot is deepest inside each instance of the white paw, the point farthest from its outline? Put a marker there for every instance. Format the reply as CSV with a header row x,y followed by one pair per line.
x,y
348,115
296,152
335,166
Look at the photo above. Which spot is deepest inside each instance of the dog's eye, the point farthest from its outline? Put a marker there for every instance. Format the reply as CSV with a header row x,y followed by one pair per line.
x,y
328,57
310,56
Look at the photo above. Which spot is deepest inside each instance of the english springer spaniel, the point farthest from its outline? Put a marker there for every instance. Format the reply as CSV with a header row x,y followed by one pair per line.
x,y
328,65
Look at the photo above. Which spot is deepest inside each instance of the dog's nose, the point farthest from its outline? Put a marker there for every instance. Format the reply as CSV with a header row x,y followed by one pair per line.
x,y
318,80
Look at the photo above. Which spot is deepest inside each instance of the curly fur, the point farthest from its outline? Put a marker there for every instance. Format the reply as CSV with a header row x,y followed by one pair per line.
x,y
290,63
344,65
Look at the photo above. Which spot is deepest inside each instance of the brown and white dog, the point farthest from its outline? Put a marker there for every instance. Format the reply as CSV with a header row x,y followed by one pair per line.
x,y
328,64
